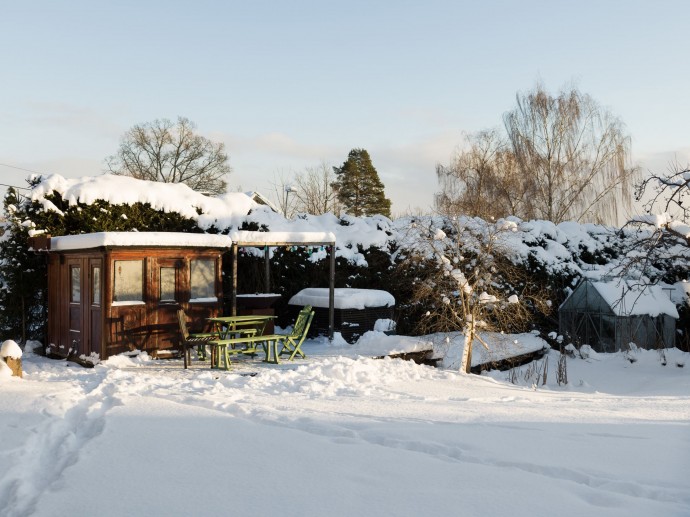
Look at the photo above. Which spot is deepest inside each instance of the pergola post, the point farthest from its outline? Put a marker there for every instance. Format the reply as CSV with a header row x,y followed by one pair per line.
x,y
267,272
267,240
331,293
234,279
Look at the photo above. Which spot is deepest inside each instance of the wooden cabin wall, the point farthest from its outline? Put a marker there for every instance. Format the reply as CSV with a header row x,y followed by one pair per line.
x,y
152,325
95,325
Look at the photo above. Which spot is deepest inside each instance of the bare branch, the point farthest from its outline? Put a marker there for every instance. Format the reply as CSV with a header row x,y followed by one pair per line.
x,y
171,153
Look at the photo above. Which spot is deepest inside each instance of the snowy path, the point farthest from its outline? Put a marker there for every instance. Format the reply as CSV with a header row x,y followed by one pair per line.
x,y
342,436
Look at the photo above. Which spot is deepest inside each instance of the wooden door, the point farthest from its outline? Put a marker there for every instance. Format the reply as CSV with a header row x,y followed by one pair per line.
x,y
75,309
93,306
166,296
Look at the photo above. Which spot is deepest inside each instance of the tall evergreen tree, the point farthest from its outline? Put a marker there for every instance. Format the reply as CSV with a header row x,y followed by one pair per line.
x,y
358,186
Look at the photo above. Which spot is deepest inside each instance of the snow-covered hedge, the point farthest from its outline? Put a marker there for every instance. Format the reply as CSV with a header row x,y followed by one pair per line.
x,y
372,252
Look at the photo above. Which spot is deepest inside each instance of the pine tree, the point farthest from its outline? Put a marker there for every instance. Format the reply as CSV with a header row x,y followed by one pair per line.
x,y
358,186
22,277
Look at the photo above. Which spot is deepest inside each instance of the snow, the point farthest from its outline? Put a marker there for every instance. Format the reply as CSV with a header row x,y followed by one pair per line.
x,y
165,239
247,237
208,299
555,247
10,348
656,220
122,303
223,211
628,299
339,435
502,346
680,228
384,325
345,298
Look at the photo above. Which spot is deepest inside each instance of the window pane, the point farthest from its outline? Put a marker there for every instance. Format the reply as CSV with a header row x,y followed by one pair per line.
x,y
128,281
167,290
75,283
203,278
96,285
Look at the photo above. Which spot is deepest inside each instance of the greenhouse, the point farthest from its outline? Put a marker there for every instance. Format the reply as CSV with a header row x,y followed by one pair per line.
x,y
608,315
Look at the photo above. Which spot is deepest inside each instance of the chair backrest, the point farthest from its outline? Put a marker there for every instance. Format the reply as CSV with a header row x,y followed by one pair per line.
x,y
182,320
302,323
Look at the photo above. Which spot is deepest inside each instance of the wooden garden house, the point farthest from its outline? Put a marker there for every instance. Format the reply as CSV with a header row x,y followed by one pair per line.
x,y
113,292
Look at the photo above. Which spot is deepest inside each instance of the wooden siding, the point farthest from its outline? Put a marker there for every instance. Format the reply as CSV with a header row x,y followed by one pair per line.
x,y
98,326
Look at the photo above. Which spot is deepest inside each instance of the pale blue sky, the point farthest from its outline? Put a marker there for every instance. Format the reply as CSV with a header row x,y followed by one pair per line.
x,y
288,84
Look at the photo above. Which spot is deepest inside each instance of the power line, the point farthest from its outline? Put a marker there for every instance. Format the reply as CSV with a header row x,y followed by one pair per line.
x,y
20,168
13,186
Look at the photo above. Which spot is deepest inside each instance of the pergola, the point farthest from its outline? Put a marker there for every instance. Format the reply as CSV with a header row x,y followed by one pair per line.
x,y
267,240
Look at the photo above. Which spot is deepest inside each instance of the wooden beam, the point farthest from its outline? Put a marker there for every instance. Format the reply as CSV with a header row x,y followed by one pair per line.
x,y
267,272
278,244
234,279
331,293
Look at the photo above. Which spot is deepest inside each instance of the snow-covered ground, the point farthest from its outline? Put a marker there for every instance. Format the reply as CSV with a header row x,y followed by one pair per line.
x,y
342,434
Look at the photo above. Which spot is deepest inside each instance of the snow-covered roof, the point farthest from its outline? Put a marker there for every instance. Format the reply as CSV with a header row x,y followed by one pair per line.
x,y
161,239
629,299
262,200
345,298
247,238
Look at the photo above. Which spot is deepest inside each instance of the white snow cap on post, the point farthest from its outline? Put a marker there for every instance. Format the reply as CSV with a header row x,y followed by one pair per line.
x,y
10,349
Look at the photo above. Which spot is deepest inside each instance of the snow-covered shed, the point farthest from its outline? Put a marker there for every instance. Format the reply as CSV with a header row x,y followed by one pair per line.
x,y
608,315
112,292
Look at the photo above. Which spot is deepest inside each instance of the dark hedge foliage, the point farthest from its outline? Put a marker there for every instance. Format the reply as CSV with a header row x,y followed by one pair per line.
x,y
23,294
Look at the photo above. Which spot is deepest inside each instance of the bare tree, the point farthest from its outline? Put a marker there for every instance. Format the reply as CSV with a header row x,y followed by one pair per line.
x,y
314,193
661,244
667,194
309,191
283,194
483,180
172,153
576,154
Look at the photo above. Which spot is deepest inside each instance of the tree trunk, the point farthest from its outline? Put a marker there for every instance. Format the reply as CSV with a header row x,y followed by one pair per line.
x,y
466,365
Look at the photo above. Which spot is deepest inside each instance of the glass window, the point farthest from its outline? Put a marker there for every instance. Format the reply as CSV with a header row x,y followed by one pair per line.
x,y
203,278
167,288
128,281
96,285
75,284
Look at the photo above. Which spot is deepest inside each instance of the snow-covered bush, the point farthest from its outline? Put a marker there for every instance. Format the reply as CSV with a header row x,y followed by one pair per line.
x,y
529,272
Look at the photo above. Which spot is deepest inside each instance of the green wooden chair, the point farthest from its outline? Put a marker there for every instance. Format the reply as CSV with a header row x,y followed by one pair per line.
x,y
292,343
